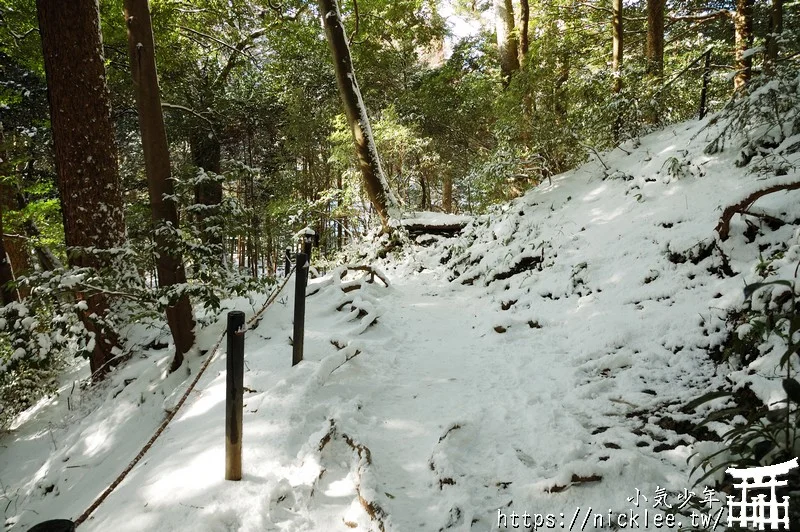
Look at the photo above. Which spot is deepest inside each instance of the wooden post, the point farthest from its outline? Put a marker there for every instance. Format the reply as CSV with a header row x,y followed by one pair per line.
x,y
234,396
300,282
706,79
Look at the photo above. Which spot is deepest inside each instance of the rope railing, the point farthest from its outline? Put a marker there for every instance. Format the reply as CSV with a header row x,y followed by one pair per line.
x,y
171,414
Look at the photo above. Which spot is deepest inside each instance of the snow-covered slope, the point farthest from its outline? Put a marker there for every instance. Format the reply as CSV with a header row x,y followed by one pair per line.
x,y
536,363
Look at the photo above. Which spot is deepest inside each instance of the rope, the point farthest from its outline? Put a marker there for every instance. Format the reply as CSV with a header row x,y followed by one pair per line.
x,y
174,411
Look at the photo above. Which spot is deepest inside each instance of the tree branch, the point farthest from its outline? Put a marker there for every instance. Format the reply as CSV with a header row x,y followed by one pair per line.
x,y
239,49
192,112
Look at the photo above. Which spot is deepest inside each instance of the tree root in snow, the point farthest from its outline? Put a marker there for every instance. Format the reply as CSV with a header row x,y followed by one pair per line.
x,y
724,226
372,508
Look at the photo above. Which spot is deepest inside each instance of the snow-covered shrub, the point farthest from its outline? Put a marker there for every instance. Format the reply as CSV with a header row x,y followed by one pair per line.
x,y
45,329
767,338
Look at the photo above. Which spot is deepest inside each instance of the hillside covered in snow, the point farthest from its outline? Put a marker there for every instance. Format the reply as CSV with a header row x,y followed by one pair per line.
x,y
538,363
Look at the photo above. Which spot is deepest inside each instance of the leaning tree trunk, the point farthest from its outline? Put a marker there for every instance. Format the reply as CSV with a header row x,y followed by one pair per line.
x,y
507,46
169,262
85,151
375,182
743,25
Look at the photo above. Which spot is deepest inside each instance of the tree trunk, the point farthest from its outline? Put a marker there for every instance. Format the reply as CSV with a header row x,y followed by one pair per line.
x,y
617,52
655,38
524,21
85,150
169,262
206,152
16,249
775,30
447,193
506,39
743,25
375,182
616,61
8,293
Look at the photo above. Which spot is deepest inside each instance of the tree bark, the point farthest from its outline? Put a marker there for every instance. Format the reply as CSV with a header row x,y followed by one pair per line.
x,y
8,293
169,262
375,182
775,30
507,46
85,150
447,193
743,25
524,21
617,48
655,38
616,60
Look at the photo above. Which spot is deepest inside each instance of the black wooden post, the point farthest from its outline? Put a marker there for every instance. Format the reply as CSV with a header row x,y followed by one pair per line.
x,y
706,79
308,244
300,282
56,525
234,396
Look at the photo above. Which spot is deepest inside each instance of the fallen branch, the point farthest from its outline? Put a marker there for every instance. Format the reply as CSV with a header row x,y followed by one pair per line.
x,y
724,226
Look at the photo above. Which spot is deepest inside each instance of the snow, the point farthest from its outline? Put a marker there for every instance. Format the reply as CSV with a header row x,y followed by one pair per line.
x,y
522,366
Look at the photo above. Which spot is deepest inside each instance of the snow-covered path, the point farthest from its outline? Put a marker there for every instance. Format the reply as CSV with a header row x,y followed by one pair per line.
x,y
538,363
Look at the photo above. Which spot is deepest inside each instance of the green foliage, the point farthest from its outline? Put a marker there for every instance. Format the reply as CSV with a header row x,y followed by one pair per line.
x,y
761,435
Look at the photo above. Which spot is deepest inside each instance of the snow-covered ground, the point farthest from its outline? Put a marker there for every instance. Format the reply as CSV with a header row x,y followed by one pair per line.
x,y
537,364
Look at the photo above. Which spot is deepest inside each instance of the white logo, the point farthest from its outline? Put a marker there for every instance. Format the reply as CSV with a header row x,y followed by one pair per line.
x,y
759,510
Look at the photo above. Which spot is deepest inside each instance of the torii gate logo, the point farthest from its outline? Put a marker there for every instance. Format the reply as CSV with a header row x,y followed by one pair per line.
x,y
759,510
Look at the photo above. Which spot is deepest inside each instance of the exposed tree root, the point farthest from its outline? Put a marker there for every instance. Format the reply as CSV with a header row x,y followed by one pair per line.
x,y
724,226
373,509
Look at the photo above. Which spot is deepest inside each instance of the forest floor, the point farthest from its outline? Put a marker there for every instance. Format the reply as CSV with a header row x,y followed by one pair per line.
x,y
536,363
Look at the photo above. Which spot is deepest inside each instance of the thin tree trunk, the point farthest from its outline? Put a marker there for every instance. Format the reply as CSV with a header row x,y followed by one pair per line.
x,y
85,151
775,30
654,53
8,293
169,262
375,182
507,46
447,193
617,52
616,60
206,152
524,21
743,25
655,38
15,247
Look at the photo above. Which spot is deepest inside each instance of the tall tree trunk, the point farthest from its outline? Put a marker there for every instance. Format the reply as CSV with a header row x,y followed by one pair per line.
x,y
83,141
375,182
524,21
775,30
616,60
617,49
655,38
654,53
206,152
169,262
507,46
743,26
